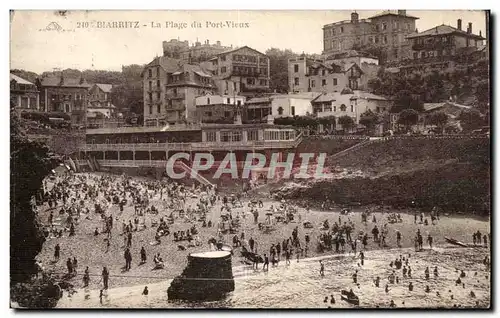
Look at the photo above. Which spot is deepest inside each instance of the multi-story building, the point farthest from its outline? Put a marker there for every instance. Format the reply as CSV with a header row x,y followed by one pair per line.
x,y
61,94
195,53
244,65
352,104
219,108
170,89
24,95
443,45
387,30
333,75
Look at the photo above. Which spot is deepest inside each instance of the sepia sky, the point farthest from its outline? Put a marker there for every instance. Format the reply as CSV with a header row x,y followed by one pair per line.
x,y
35,49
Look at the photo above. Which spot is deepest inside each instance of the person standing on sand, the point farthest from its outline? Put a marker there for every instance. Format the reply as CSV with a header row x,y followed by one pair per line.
x,y
321,269
362,256
429,240
398,238
57,252
105,277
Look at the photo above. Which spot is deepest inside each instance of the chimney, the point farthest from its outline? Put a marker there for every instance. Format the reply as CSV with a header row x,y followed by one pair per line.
x,y
218,43
61,82
459,24
208,42
480,33
401,12
469,29
354,17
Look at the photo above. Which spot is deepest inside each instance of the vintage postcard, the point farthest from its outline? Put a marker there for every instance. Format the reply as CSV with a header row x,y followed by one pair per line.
x,y
250,159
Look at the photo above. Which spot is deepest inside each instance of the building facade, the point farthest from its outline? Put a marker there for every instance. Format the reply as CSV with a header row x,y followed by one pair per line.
x,y
170,89
387,30
68,95
219,108
324,76
353,105
24,95
246,66
195,53
290,105
443,45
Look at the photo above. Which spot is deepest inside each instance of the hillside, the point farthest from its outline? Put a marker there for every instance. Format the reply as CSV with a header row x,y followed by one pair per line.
x,y
453,173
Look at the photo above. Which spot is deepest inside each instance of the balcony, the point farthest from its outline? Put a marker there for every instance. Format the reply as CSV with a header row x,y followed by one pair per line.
x,y
196,146
432,46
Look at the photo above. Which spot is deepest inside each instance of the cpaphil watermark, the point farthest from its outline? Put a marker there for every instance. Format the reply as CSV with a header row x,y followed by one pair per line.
x,y
298,166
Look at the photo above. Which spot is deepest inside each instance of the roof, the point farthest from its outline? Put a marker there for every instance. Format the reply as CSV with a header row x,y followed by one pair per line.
x,y
259,100
20,80
168,64
239,48
106,88
349,53
329,97
385,13
305,95
443,29
67,82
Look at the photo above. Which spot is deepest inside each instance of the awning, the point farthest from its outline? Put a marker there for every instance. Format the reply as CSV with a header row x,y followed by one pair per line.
x,y
176,73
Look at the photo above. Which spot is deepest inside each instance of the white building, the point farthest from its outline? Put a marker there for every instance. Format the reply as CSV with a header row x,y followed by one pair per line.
x,y
290,105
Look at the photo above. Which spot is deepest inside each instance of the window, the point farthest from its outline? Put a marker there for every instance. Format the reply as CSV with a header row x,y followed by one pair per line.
x,y
328,107
208,114
175,91
370,39
384,26
333,32
296,81
227,114
238,103
223,69
313,83
225,136
394,39
158,108
251,81
150,85
395,25
343,108
157,72
334,82
169,104
208,101
296,68
150,73
150,109
415,55
263,82
158,96
223,58
323,72
229,100
253,135
150,95
293,110
395,53
280,110
352,108
385,39
334,108
158,84
323,82
376,39
211,135
236,136
341,29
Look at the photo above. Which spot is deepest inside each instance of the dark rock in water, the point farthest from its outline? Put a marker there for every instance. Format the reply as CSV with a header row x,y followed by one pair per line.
x,y
208,276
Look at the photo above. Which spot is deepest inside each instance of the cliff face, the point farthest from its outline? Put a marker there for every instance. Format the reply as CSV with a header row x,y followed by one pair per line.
x,y
451,173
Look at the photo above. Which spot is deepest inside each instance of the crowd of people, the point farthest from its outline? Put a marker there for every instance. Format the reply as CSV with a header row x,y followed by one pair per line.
x,y
79,197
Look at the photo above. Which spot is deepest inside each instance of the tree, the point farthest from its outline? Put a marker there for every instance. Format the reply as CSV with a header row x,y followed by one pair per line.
x,y
129,96
440,119
471,119
346,122
369,119
278,65
408,118
406,100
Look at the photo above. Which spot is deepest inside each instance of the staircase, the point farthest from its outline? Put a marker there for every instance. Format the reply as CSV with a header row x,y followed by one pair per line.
x,y
344,152
196,175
